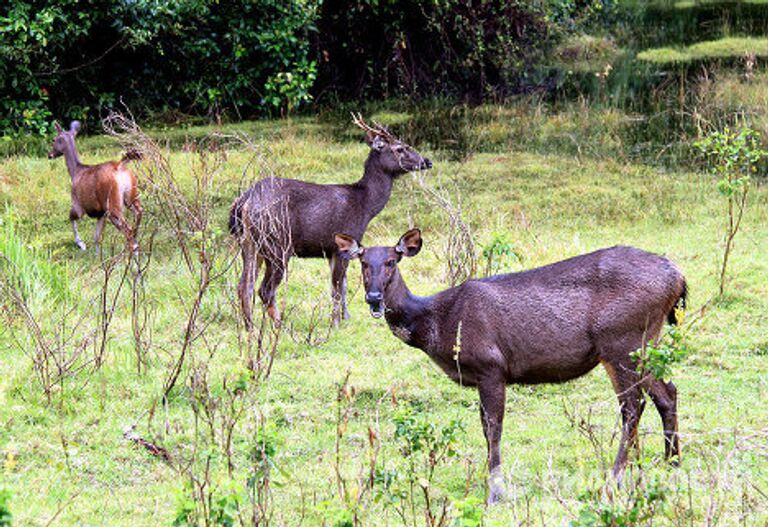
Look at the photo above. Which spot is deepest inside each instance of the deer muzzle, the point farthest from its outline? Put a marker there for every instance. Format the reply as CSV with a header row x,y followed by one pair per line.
x,y
375,301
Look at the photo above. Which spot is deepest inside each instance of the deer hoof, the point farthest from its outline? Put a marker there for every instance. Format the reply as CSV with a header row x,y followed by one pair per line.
x,y
496,488
80,244
494,496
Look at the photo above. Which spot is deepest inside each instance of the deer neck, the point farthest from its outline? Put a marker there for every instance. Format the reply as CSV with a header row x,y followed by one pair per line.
x,y
409,316
72,159
376,185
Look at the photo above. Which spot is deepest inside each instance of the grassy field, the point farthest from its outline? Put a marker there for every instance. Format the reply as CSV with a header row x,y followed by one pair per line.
x,y
301,440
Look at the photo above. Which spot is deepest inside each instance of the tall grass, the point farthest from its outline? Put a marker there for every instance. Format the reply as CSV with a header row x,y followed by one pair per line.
x,y
28,268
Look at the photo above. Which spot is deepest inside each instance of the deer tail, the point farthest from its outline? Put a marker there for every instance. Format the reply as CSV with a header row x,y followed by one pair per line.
x,y
679,304
236,217
131,155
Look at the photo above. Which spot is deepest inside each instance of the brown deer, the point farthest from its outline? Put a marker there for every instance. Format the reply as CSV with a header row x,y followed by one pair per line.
x,y
100,191
546,325
313,214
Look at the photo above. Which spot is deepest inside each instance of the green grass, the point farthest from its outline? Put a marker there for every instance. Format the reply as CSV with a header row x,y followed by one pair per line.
x,y
687,4
36,277
68,458
724,48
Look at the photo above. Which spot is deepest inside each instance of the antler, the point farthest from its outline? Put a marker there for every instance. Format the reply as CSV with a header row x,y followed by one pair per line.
x,y
376,129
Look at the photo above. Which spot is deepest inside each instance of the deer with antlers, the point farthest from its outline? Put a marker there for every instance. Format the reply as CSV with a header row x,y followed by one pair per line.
x,y
100,191
278,218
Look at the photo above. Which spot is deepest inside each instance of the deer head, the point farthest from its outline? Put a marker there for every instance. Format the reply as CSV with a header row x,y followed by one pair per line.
x,y
379,265
65,139
395,157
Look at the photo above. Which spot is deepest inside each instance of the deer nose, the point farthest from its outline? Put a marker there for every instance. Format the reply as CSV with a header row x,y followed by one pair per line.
x,y
373,297
426,164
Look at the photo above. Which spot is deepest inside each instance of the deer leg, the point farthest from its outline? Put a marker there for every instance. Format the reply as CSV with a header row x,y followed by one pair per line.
x,y
339,288
248,280
626,383
135,207
97,234
492,391
116,217
114,209
80,244
75,213
664,397
273,275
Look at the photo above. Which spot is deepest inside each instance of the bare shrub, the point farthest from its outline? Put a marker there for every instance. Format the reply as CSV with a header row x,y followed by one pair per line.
x,y
57,334
227,408
188,215
458,249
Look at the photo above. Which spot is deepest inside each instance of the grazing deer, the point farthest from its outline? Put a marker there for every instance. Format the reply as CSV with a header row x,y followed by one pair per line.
x,y
313,213
100,191
547,325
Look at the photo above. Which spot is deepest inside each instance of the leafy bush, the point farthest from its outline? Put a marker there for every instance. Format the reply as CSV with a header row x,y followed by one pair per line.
x,y
73,59
467,512
424,447
733,157
657,358
498,253
641,507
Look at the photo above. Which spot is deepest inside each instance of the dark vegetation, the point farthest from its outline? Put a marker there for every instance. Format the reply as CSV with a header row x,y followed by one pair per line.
x,y
657,64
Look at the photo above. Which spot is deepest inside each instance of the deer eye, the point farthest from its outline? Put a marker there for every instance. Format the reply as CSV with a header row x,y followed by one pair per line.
x,y
390,263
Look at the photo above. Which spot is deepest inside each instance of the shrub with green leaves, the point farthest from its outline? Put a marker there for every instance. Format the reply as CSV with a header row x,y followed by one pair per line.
x,y
657,358
498,253
73,59
418,435
641,506
733,157
467,512
424,447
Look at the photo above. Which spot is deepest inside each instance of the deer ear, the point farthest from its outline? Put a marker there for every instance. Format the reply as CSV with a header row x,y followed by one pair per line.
x,y
347,246
57,127
410,243
74,126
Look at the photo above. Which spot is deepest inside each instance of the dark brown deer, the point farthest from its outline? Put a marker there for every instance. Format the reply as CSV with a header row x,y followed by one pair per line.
x,y
313,213
546,325
100,191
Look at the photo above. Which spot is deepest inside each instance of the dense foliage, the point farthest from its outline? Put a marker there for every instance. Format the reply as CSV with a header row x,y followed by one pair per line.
x,y
252,57
246,58
471,50
73,58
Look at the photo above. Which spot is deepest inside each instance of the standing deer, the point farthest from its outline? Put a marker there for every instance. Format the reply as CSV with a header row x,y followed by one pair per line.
x,y
311,215
547,325
100,191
